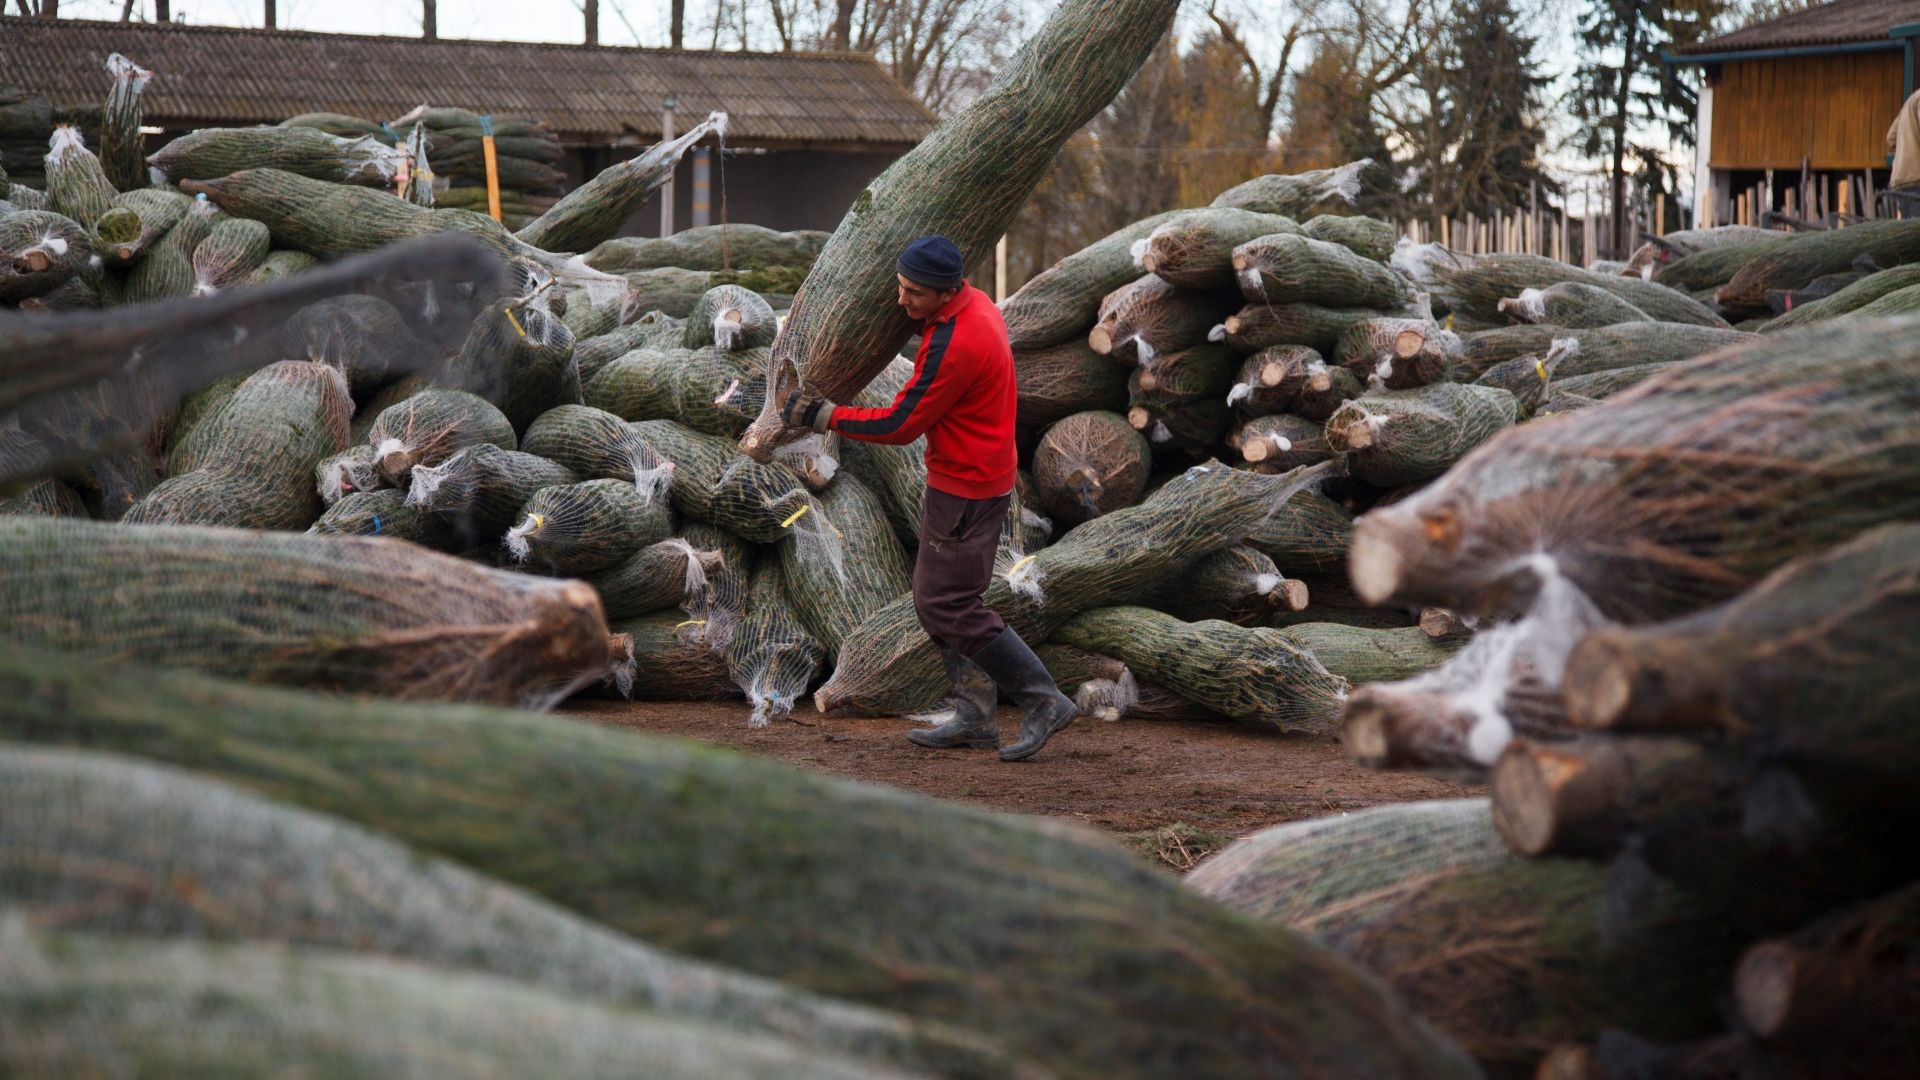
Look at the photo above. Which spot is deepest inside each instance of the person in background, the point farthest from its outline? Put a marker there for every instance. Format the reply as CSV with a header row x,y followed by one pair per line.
x,y
961,397
1903,142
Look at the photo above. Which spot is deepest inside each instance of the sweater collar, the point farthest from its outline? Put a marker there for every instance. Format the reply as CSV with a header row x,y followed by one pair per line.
x,y
954,306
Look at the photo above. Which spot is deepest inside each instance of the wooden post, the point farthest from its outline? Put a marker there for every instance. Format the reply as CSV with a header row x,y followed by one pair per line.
x,y
1660,214
591,9
1866,192
666,189
429,19
1845,203
1000,270
272,16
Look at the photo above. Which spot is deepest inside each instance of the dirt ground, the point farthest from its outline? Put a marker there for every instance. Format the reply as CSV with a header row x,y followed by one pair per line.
x,y
1177,791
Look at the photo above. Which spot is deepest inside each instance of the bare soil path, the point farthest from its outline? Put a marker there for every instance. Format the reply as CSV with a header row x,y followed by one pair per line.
x,y
1175,790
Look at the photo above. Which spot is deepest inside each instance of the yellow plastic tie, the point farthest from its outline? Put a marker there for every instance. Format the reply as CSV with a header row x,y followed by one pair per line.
x,y
1018,565
539,521
1449,325
689,622
515,321
796,515
1540,369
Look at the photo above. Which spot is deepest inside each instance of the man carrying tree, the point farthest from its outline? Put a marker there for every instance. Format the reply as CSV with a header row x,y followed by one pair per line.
x,y
962,398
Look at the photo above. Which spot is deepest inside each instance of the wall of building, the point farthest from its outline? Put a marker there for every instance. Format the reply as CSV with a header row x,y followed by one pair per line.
x,y
1830,111
781,189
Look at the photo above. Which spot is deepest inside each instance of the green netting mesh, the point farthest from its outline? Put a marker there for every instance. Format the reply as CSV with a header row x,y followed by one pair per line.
x,y
772,657
1238,585
1281,442
1476,289
1573,304
1806,256
1397,353
659,576
708,389
1326,874
1367,237
1810,668
1394,437
363,615
1256,675
1088,464
386,513
1194,248
595,444
250,462
1289,268
120,150
1679,492
713,481
715,611
432,426
77,185
731,317
520,354
83,384
1855,296
215,152
711,248
135,222
1295,195
266,872
39,251
479,492
1062,302
231,251
1152,317
587,527
1262,325
166,271
1361,654
672,660
832,599
1510,956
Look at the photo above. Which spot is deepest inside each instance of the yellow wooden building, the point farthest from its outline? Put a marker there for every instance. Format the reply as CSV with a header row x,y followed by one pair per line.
x,y
1794,112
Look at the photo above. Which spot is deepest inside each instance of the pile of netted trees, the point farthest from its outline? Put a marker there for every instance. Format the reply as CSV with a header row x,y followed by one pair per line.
x,y
448,157
1691,693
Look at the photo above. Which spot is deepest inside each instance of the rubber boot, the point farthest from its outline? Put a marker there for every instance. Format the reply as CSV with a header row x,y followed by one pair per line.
x,y
1024,679
973,724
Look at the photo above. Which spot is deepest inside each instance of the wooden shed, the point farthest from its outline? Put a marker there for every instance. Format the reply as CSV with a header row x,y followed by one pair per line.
x,y
807,130
1794,113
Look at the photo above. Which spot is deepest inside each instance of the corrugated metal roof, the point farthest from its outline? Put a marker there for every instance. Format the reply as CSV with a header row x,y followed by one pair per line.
x,y
1842,22
590,94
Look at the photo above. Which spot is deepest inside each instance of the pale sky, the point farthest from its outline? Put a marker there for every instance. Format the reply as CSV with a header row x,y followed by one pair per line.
x,y
642,22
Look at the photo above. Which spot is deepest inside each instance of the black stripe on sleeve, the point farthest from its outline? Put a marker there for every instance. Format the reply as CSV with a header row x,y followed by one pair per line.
x,y
929,371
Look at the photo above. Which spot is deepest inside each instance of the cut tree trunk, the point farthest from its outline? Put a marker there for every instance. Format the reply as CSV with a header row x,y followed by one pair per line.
x,y
1089,464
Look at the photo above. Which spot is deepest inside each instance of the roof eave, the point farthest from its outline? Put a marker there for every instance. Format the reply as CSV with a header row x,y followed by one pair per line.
x,y
1779,53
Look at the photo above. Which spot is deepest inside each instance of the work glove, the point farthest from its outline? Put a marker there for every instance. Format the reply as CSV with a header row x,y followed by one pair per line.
x,y
806,412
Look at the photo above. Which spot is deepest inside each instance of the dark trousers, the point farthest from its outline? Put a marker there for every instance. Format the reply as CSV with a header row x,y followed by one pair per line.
x,y
958,538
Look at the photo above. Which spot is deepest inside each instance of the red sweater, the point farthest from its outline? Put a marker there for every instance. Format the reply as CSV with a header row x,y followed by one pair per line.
x,y
961,397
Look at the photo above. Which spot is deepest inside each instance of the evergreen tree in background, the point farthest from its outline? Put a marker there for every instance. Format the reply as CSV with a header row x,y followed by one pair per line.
x,y
1625,96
